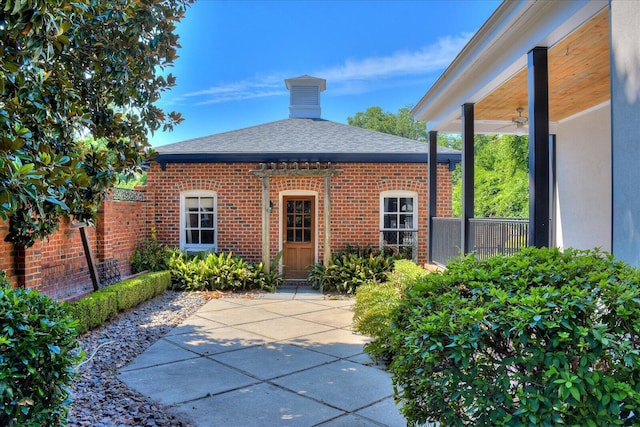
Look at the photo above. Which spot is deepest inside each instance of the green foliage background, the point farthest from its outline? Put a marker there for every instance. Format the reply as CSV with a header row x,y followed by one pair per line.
x,y
501,177
375,303
400,124
222,272
351,268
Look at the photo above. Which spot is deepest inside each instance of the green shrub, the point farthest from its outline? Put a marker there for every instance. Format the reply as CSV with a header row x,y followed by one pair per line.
x,y
38,351
129,293
221,272
543,337
267,280
350,269
94,309
187,273
150,255
375,303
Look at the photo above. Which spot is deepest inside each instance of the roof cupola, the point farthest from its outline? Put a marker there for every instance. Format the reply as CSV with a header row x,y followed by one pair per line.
x,y
304,96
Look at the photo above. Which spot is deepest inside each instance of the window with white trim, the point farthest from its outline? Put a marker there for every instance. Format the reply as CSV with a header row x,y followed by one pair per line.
x,y
198,221
399,222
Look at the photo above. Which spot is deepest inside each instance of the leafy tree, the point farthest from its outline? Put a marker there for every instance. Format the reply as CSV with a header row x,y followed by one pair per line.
x,y
400,124
68,68
125,179
131,182
501,178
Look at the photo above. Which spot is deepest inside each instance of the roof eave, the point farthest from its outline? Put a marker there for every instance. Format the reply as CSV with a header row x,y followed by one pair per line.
x,y
164,159
498,51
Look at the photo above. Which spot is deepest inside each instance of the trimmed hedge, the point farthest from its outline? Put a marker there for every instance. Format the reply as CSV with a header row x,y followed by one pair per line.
x,y
38,351
542,337
94,309
132,292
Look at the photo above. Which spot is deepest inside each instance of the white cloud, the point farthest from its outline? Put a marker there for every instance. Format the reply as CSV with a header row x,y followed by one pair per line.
x,y
353,76
238,91
240,95
401,63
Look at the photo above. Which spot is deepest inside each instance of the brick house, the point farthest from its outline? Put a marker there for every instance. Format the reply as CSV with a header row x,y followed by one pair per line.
x,y
303,185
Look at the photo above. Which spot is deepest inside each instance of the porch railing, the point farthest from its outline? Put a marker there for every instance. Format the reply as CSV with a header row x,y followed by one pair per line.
x,y
487,237
493,236
446,238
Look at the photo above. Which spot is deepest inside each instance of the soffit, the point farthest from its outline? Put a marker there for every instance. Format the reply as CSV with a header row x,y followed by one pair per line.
x,y
578,77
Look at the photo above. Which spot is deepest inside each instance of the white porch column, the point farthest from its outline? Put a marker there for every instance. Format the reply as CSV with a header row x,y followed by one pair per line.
x,y
625,116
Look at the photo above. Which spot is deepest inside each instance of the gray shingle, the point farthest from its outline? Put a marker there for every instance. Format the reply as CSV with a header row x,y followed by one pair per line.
x,y
300,136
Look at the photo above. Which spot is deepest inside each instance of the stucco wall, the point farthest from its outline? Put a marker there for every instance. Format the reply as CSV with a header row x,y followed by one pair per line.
x,y
583,181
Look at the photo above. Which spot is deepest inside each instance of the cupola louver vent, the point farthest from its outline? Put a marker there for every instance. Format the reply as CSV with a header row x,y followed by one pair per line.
x,y
305,96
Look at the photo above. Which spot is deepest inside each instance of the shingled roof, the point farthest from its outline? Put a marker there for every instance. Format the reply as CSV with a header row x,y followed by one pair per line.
x,y
303,137
297,139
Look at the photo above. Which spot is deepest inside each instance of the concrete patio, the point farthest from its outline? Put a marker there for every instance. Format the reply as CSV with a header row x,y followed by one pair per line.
x,y
283,359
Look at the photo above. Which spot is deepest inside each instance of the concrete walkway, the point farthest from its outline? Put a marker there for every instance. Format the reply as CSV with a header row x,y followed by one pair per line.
x,y
283,359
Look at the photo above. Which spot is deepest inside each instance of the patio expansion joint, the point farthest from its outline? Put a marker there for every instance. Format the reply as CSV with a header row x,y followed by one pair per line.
x,y
220,393
369,420
333,406
207,354
126,369
268,380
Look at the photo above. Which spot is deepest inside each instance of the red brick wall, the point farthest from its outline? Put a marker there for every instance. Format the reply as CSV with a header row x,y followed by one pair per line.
x,y
120,227
355,196
445,191
6,251
63,267
239,203
57,266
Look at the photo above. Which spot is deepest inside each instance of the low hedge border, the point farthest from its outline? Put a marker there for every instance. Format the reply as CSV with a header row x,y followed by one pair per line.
x,y
94,309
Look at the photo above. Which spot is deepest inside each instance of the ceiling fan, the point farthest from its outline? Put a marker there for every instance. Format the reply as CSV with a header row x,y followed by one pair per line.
x,y
520,120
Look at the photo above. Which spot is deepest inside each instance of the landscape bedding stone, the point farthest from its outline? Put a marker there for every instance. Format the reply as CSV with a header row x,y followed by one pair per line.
x,y
99,398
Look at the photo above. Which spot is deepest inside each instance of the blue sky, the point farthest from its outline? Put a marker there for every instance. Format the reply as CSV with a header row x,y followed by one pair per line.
x,y
235,56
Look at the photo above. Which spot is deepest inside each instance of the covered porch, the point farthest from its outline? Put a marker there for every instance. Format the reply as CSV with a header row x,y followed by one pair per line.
x,y
566,74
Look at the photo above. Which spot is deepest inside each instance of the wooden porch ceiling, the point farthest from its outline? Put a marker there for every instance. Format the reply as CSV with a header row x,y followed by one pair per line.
x,y
578,77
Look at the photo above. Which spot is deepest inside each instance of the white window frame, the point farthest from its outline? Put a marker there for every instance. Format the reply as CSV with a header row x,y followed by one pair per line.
x,y
400,194
193,247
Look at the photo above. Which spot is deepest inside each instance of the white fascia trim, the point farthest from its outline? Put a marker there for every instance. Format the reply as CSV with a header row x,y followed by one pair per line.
x,y
498,51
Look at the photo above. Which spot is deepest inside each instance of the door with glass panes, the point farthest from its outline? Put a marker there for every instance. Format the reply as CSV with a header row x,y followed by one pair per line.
x,y
298,236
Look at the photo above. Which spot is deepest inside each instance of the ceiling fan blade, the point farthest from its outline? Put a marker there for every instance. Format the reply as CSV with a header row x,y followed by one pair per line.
x,y
506,126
